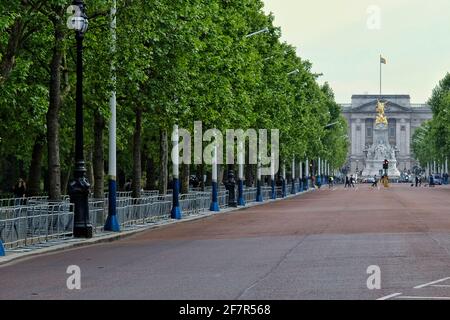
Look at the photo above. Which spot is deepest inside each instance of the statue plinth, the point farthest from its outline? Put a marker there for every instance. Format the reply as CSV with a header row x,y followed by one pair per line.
x,y
381,150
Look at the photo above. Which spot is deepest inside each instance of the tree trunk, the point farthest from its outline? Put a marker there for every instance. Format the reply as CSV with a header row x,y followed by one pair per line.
x,y
54,168
137,140
89,166
34,176
185,170
98,160
8,60
151,174
65,179
163,156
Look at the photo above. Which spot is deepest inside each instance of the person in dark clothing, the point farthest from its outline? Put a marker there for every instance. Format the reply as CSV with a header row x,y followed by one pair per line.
x,y
417,181
347,182
375,181
352,181
20,189
128,185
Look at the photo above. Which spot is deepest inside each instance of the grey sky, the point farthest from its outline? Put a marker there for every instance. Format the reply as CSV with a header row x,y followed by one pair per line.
x,y
414,37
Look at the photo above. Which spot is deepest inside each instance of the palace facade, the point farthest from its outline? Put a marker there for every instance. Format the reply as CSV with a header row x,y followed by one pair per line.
x,y
403,117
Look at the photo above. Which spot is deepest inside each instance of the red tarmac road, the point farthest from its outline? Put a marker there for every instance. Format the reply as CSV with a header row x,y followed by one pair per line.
x,y
314,246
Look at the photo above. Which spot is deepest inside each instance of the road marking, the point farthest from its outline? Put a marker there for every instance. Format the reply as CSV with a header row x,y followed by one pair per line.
x,y
430,283
423,298
441,285
390,296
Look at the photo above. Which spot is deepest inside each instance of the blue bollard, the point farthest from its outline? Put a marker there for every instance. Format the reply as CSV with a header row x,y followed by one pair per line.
x,y
259,197
241,200
112,223
214,203
175,213
2,249
274,192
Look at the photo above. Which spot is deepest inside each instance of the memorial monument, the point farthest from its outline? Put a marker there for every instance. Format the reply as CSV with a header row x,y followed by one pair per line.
x,y
381,150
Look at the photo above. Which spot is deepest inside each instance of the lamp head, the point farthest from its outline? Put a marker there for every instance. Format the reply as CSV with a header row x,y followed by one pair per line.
x,y
78,20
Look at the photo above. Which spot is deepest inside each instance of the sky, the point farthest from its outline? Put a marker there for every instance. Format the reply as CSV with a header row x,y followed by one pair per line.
x,y
343,39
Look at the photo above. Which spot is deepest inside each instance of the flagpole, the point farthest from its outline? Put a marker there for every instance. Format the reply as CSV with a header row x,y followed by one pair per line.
x,y
380,75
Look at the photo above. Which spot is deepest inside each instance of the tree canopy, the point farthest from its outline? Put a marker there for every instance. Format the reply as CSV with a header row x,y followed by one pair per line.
x,y
176,62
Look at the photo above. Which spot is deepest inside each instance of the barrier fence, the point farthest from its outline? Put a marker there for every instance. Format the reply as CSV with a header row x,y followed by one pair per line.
x,y
26,225
33,220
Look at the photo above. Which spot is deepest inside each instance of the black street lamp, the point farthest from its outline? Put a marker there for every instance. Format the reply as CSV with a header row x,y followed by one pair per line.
x,y
79,186
230,185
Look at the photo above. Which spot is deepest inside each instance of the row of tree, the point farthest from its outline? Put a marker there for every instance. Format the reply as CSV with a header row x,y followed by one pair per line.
x,y
431,142
177,62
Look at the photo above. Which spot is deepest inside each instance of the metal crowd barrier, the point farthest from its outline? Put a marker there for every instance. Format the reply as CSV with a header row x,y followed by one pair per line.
x,y
279,192
222,198
27,225
150,193
12,202
266,193
250,195
33,220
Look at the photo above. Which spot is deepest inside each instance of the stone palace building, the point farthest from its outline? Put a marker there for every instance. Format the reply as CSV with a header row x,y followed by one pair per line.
x,y
403,116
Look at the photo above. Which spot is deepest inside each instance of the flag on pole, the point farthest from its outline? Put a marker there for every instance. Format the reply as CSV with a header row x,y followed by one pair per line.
x,y
383,60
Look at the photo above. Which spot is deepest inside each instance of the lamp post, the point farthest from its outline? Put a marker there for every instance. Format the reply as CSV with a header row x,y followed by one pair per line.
x,y
112,223
214,201
272,178
300,177
319,181
306,185
176,211
79,186
241,200
259,197
293,176
283,182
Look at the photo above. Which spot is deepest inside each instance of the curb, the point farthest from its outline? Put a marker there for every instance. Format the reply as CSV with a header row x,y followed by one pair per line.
x,y
110,237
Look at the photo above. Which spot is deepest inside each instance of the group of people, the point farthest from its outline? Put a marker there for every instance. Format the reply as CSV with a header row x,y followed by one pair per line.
x,y
350,182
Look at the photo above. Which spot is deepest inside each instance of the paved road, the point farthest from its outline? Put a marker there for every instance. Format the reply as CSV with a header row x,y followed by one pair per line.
x,y
314,246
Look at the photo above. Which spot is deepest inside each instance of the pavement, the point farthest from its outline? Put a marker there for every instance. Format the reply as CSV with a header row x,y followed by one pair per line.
x,y
317,245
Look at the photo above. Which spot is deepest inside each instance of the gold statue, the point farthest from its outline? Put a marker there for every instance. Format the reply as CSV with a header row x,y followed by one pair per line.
x,y
381,118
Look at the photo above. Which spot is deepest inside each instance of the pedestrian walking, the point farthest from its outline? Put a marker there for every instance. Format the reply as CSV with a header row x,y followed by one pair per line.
x,y
375,182
352,181
330,182
347,182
